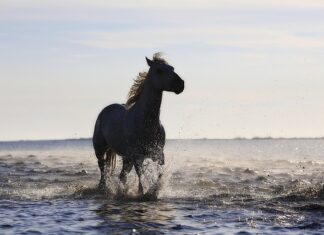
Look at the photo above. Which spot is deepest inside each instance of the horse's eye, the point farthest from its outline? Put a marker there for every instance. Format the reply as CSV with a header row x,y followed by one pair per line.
x,y
159,71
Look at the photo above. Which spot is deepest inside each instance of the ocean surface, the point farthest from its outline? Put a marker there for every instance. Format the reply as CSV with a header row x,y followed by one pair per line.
x,y
265,186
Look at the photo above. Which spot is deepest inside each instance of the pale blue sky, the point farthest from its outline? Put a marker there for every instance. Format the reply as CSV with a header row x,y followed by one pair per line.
x,y
252,68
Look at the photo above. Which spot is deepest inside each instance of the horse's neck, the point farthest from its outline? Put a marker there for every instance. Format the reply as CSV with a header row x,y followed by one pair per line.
x,y
149,104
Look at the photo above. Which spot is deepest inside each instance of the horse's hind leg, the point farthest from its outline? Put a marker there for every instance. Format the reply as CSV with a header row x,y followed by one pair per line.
x,y
127,167
100,147
100,154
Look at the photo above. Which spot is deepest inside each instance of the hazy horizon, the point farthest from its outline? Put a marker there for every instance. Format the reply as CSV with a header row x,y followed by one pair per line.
x,y
235,138
251,68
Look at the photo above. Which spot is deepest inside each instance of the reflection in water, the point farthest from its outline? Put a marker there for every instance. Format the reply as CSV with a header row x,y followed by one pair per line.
x,y
141,216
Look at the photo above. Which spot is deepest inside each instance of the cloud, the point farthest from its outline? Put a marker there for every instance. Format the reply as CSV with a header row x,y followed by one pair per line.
x,y
237,37
94,9
166,3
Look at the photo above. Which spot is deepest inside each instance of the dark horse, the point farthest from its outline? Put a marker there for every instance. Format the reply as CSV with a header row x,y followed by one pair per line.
x,y
134,130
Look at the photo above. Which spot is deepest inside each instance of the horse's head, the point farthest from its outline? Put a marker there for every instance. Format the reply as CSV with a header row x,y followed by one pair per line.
x,y
163,77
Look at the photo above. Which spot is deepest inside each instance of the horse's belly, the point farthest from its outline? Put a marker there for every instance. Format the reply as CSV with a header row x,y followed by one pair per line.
x,y
116,141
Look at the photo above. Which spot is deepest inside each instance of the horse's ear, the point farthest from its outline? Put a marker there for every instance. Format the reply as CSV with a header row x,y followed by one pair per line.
x,y
149,62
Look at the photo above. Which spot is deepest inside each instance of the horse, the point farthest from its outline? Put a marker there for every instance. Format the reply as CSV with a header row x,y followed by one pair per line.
x,y
133,130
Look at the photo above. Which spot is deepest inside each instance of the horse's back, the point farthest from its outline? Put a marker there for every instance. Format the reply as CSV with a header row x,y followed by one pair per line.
x,y
113,112
109,127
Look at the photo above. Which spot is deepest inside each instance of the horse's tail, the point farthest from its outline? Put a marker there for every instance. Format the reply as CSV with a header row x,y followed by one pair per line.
x,y
110,161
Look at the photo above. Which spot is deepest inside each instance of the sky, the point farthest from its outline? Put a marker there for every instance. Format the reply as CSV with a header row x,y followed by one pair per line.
x,y
251,67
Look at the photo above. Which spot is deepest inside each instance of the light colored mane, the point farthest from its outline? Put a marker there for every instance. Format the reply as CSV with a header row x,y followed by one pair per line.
x,y
137,87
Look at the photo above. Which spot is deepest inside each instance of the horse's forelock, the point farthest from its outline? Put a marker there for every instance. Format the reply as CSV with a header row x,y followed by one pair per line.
x,y
157,57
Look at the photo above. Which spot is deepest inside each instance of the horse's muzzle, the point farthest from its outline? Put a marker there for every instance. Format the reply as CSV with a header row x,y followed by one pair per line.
x,y
179,86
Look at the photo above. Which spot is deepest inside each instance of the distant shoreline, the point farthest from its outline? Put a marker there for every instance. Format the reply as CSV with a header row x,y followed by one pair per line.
x,y
184,139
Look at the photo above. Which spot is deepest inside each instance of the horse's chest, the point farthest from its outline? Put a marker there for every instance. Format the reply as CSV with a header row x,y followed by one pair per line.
x,y
146,143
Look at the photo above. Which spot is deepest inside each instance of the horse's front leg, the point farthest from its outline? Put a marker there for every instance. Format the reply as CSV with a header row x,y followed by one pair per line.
x,y
161,159
139,171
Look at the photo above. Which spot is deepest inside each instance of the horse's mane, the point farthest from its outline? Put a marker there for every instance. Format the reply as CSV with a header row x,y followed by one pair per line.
x,y
137,87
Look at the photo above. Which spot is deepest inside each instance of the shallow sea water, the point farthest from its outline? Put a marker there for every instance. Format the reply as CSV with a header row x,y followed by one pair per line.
x,y
265,186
